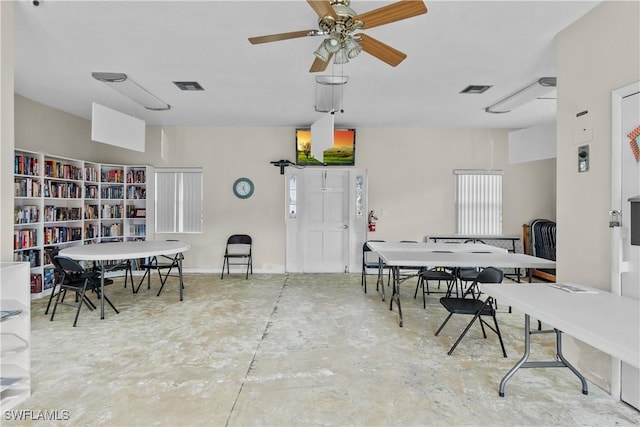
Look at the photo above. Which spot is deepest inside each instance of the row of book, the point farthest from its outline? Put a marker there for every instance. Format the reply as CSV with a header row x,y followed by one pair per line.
x,y
112,192
113,230
91,174
56,213
136,176
137,230
62,190
32,256
136,192
54,169
38,284
53,235
26,215
113,175
27,187
25,238
26,165
112,211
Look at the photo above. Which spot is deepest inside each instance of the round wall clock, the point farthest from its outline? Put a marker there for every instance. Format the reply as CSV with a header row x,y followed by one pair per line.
x,y
243,188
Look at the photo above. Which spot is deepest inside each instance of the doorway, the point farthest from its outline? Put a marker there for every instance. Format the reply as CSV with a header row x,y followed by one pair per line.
x,y
625,258
325,221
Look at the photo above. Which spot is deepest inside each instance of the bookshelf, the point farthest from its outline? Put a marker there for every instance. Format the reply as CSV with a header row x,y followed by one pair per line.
x,y
61,202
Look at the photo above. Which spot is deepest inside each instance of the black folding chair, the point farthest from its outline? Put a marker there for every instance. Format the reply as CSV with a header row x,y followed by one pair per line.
x,y
475,307
164,265
79,280
238,252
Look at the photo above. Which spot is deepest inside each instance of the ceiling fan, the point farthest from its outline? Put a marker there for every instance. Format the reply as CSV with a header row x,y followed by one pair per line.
x,y
337,21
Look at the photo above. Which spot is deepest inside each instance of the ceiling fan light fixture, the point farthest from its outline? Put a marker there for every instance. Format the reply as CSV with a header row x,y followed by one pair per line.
x,y
321,52
352,47
341,57
332,43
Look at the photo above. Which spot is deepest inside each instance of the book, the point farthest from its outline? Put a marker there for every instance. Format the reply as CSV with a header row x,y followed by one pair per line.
x,y
572,288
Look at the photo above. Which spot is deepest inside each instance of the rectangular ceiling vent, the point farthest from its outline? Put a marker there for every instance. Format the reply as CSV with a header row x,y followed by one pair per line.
x,y
475,89
188,85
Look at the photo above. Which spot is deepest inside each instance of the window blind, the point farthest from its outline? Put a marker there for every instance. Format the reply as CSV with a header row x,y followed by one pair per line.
x,y
178,200
478,202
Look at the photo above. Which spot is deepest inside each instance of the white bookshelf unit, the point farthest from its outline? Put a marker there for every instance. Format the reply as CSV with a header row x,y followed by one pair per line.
x,y
15,333
61,202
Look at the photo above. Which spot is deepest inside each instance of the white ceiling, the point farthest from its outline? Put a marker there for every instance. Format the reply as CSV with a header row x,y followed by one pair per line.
x,y
507,44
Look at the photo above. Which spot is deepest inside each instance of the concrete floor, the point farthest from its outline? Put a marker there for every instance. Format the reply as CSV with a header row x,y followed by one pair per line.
x,y
292,350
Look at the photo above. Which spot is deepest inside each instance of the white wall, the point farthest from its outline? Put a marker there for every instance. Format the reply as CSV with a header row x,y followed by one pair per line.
x,y
6,130
411,183
597,54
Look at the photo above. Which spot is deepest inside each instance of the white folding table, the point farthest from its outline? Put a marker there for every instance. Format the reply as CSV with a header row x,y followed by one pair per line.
x,y
601,319
112,251
394,256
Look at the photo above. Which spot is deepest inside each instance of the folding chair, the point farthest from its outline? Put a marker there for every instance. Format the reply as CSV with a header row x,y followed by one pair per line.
x,y
370,262
475,307
238,250
79,280
161,263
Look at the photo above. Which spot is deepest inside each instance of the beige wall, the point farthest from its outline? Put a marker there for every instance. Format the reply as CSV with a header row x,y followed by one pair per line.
x,y
597,54
411,183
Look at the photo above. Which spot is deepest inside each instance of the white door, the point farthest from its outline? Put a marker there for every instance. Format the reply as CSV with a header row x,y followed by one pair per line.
x,y
625,263
326,220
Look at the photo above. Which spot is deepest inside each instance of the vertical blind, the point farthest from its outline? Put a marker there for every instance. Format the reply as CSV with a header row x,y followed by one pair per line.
x,y
178,198
478,202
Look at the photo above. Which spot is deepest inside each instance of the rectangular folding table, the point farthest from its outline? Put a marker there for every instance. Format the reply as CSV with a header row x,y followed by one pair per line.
x,y
395,256
599,318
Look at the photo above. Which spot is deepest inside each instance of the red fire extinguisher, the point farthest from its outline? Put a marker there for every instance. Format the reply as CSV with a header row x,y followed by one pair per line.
x,y
372,218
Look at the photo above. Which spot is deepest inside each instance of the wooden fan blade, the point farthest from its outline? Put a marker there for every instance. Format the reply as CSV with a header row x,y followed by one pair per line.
x,y
400,10
281,36
380,50
319,64
323,8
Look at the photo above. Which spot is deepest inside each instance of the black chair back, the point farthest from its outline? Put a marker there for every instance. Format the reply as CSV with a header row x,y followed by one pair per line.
x,y
490,275
239,239
67,265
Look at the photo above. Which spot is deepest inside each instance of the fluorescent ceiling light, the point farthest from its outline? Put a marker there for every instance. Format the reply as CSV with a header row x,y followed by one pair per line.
x,y
132,90
529,93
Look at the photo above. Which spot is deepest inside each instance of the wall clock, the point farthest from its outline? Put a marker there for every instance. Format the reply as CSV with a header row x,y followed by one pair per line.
x,y
243,188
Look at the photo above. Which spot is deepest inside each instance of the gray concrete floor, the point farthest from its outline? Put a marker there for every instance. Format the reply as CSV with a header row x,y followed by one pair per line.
x,y
292,350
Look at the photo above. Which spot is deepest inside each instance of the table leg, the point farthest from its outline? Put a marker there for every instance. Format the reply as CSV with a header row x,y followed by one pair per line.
x,y
395,273
523,363
101,289
380,280
180,284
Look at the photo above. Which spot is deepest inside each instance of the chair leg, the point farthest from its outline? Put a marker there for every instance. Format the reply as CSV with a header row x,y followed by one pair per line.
x,y
495,321
136,289
443,323
163,280
53,313
53,292
463,334
75,321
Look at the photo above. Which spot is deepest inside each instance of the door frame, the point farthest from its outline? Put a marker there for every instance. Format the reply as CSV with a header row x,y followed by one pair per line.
x,y
357,224
617,266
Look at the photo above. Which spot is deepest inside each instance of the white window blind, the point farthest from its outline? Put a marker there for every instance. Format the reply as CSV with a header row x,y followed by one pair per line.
x,y
178,200
478,202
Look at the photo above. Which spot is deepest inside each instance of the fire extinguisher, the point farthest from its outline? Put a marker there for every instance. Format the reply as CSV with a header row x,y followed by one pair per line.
x,y
372,218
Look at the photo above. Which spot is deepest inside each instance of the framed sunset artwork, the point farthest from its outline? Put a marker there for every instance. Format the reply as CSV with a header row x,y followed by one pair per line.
x,y
341,154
